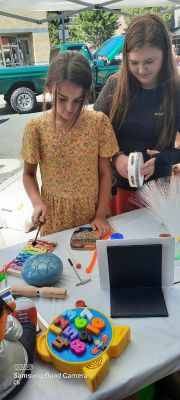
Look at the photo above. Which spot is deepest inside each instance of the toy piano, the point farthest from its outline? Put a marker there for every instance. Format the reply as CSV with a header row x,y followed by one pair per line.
x,y
82,341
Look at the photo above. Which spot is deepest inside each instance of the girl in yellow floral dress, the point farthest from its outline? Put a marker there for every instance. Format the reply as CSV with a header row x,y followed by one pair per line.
x,y
72,146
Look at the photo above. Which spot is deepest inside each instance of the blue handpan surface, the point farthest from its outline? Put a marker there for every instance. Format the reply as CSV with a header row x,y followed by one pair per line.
x,y
42,270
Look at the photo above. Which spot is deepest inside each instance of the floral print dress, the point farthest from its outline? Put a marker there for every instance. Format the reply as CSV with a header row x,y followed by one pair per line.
x,y
68,163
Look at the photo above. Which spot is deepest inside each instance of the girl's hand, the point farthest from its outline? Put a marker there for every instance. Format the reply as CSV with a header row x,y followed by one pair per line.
x,y
102,225
39,214
121,165
176,169
148,167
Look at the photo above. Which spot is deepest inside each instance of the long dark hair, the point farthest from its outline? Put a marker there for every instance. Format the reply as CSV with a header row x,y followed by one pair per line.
x,y
147,29
75,68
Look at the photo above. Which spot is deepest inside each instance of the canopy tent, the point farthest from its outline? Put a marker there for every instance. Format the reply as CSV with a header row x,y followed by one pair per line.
x,y
11,7
76,5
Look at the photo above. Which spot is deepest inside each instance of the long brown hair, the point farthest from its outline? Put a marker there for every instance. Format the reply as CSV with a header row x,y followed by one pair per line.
x,y
147,29
75,68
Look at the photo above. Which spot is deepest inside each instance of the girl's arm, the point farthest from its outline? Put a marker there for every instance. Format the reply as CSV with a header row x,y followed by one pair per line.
x,y
167,157
177,143
105,183
176,167
32,190
104,100
121,164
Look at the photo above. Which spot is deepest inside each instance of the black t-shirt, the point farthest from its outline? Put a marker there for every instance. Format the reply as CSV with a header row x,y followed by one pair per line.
x,y
141,128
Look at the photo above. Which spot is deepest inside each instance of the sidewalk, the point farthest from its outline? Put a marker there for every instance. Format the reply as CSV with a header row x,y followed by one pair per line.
x,y
2,102
12,197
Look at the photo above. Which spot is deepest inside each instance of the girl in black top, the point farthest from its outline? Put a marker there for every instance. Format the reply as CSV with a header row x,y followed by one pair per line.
x,y
143,104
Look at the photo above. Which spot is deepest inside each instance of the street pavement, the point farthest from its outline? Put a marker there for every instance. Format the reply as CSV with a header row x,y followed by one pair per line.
x,y
11,132
12,194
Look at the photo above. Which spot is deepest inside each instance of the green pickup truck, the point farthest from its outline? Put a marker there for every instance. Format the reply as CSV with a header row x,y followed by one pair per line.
x,y
21,85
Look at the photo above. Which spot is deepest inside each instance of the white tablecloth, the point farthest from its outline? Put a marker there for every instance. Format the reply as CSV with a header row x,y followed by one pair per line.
x,y
154,350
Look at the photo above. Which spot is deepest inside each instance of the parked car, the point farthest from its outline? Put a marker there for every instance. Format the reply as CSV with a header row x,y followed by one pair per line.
x,y
82,47
21,85
104,62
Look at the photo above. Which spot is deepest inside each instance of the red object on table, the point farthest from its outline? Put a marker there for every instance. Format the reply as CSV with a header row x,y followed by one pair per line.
x,y
165,235
80,303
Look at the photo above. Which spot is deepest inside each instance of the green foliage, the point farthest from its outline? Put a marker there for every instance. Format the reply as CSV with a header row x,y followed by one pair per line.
x,y
96,26
76,34
55,25
92,27
53,28
165,12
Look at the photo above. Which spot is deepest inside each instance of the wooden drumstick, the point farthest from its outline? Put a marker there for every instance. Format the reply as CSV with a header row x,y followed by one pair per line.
x,y
31,291
53,292
37,233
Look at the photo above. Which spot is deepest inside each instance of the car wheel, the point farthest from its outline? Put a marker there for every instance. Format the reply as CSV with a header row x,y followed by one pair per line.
x,y
23,100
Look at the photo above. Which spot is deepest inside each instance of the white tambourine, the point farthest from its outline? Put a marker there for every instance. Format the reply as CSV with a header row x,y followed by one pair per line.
x,y
135,162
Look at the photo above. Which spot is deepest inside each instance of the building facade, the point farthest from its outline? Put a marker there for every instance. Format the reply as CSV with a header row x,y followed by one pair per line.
x,y
24,42
176,42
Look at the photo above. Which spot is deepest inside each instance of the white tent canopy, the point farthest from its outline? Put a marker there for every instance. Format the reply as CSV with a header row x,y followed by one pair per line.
x,y
76,5
14,8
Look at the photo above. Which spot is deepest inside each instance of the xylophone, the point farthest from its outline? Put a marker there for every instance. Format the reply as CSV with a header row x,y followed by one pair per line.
x,y
42,246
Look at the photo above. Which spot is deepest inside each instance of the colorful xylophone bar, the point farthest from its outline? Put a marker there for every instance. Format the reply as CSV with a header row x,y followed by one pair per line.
x,y
42,246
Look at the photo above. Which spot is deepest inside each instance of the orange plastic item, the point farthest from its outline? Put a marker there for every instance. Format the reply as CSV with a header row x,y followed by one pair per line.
x,y
93,261
98,323
95,331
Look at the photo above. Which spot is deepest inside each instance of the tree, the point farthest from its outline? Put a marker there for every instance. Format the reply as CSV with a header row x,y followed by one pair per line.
x,y
76,33
94,27
167,13
55,25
